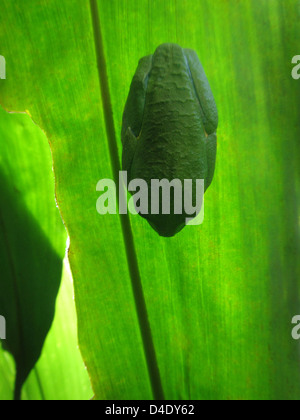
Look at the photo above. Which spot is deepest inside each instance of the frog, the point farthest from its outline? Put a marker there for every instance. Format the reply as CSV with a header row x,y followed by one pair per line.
x,y
169,128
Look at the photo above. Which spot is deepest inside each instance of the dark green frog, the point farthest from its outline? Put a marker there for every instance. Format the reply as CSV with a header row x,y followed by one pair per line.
x,y
169,127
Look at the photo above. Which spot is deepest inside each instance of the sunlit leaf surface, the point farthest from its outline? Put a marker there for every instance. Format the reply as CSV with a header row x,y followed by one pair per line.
x,y
219,297
32,241
60,373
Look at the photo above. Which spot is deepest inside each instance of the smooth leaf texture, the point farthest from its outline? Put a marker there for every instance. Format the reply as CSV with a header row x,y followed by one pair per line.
x,y
219,297
32,241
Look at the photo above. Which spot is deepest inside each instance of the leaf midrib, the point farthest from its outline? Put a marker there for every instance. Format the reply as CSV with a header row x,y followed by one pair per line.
x,y
136,283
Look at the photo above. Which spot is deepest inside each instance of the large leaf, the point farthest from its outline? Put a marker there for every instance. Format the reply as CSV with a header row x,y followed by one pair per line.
x,y
219,298
60,373
32,241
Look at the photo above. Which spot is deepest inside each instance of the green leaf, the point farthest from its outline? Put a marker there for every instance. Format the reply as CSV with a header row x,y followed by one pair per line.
x,y
219,298
32,241
60,373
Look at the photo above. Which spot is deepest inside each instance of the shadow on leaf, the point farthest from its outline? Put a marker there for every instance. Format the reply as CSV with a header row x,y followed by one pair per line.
x,y
29,282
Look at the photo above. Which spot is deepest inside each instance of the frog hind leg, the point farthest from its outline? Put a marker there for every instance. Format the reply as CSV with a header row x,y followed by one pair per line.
x,y
134,111
135,104
203,91
129,148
